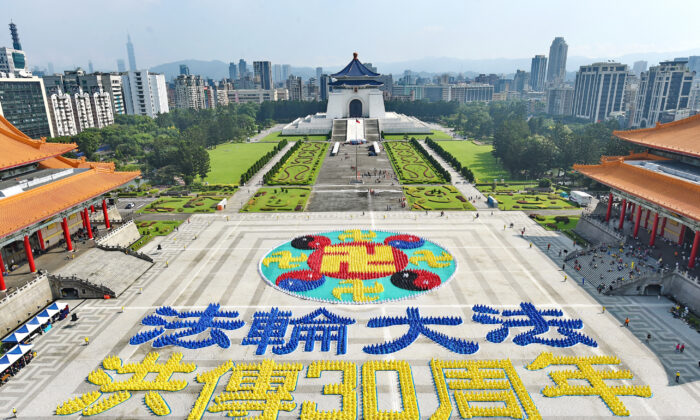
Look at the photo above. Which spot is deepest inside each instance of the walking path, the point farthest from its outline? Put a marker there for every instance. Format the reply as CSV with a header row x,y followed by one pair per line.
x,y
264,133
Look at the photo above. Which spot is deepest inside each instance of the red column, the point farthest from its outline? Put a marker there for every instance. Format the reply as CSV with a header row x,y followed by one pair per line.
x,y
87,224
66,234
638,219
623,208
104,211
646,220
663,227
2,277
92,208
652,239
40,237
82,217
694,251
607,213
30,256
681,235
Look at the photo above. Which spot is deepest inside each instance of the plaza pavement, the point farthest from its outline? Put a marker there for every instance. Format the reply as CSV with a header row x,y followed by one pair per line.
x,y
212,259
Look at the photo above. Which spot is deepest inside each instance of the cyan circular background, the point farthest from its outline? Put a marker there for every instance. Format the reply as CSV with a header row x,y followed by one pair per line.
x,y
324,293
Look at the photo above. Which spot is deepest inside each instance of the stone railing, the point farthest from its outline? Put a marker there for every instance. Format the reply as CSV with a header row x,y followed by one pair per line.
x,y
16,292
126,250
101,289
604,227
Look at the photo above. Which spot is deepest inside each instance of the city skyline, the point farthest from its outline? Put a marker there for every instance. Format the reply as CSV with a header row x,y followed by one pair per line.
x,y
161,35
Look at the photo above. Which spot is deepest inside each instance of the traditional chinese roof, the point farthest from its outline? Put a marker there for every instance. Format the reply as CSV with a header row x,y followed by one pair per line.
x,y
356,83
679,196
60,162
16,149
681,136
38,204
355,69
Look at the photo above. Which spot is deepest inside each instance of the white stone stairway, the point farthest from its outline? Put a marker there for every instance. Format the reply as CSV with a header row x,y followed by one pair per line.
x,y
340,130
372,129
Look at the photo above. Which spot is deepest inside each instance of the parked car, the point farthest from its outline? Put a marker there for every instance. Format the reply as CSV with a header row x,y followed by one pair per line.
x,y
130,206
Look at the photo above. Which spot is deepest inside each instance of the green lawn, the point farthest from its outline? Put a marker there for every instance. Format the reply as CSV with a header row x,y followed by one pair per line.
x,y
564,226
478,158
186,204
435,135
505,188
273,199
444,197
410,165
277,136
550,201
153,228
302,167
230,160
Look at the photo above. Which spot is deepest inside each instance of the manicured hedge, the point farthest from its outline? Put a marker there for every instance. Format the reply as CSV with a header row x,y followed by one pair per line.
x,y
449,158
262,162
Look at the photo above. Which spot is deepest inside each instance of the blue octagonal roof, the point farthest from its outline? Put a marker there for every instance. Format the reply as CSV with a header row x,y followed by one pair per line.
x,y
355,69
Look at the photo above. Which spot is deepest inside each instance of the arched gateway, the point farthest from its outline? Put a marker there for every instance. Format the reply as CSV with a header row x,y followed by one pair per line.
x,y
355,108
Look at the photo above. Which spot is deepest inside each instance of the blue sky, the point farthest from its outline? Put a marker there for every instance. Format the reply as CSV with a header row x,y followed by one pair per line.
x,y
325,33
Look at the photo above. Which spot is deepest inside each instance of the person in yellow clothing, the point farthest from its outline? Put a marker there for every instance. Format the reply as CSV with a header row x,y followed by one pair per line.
x,y
87,340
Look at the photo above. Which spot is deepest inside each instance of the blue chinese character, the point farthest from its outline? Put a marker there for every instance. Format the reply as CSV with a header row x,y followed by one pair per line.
x,y
529,316
417,326
268,328
205,320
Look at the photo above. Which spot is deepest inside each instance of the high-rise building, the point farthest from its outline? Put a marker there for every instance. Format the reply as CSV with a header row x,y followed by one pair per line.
x,y
471,92
295,88
23,103
560,100
638,67
145,93
83,110
599,90
102,111
538,71
694,101
91,69
189,92
232,71
664,89
15,37
277,74
263,72
556,73
242,68
319,72
286,71
325,86
184,69
62,115
50,67
121,66
694,64
520,80
130,53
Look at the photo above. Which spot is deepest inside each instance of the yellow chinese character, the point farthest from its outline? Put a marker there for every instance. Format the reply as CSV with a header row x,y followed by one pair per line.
x,y
596,379
356,235
346,390
481,381
284,259
358,290
370,408
428,256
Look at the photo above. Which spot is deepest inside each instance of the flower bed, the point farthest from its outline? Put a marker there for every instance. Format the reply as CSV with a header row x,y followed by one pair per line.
x,y
411,167
444,197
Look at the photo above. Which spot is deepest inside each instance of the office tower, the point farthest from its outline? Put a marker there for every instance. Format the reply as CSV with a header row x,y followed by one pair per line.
x,y
109,83
242,68
130,53
145,93
184,69
599,90
232,71
560,100
121,66
189,92
556,73
663,91
286,71
324,88
520,80
295,88
50,68
472,92
23,103
15,37
13,61
694,101
694,64
538,70
638,67
311,90
319,72
277,73
263,73
91,69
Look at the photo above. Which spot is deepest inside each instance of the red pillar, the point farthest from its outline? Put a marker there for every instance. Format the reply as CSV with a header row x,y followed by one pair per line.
x,y
638,219
607,213
92,208
40,237
663,227
104,211
681,235
82,217
87,224
66,234
623,208
30,256
694,251
652,239
2,277
646,220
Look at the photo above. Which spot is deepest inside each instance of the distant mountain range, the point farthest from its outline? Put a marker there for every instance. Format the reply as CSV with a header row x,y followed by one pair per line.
x,y
216,69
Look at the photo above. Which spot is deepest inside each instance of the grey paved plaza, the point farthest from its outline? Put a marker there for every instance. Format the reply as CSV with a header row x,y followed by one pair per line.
x,y
212,259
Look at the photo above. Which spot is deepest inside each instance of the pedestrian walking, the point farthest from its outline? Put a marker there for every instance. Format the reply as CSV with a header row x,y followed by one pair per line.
x,y
14,412
87,340
565,277
678,347
583,281
682,348
530,244
548,246
678,376
627,322
563,266
603,310
648,337
560,252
